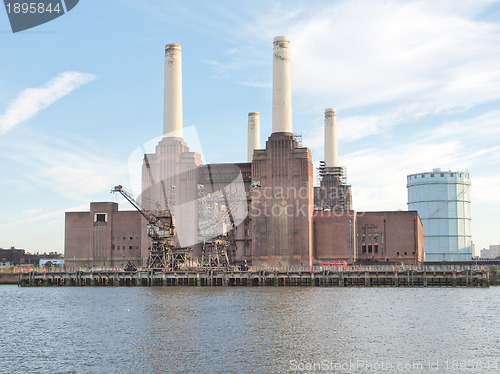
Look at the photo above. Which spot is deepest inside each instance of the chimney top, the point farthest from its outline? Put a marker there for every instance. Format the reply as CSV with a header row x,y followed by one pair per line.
x,y
172,48
281,41
253,114
281,38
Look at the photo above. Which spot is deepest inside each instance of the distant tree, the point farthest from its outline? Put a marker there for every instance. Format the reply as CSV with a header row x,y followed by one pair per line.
x,y
493,269
48,265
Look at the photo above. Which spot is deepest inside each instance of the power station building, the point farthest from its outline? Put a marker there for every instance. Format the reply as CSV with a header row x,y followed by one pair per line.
x,y
284,222
442,199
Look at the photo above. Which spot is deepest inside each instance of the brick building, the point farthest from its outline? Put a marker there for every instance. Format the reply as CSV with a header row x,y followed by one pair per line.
x,y
285,222
282,209
103,236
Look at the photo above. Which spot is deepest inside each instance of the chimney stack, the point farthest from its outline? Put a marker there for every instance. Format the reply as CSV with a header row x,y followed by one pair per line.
x,y
253,133
282,85
172,108
331,153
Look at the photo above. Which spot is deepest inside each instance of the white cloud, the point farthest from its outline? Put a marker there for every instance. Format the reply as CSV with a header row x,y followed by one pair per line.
x,y
32,100
485,189
422,55
31,211
71,168
378,174
483,129
358,53
44,217
352,128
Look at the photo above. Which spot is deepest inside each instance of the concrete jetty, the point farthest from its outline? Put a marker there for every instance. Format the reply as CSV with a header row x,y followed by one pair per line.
x,y
371,277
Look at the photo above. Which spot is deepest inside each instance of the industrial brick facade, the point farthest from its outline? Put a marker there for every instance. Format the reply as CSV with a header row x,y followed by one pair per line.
x,y
391,237
368,237
171,173
103,236
286,222
394,236
282,209
335,236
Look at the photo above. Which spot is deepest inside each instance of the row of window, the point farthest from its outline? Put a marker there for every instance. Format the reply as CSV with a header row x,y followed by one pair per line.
x,y
370,239
371,248
124,238
374,249
440,174
124,247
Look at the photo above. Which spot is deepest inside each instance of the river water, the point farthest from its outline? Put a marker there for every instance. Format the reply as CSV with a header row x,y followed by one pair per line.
x,y
249,330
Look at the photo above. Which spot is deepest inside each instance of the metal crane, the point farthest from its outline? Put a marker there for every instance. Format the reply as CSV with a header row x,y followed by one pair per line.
x,y
214,253
165,253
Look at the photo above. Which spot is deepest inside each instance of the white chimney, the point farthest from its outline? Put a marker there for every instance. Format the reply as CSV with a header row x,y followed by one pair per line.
x,y
253,133
282,85
331,153
172,108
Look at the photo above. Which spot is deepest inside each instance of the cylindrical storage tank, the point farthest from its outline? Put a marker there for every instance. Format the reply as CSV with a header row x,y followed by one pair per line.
x,y
442,200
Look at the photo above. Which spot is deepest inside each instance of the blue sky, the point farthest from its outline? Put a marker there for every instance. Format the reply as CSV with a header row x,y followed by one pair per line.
x,y
416,85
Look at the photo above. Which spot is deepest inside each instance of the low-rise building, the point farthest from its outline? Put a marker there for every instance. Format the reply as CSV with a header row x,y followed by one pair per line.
x,y
492,252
